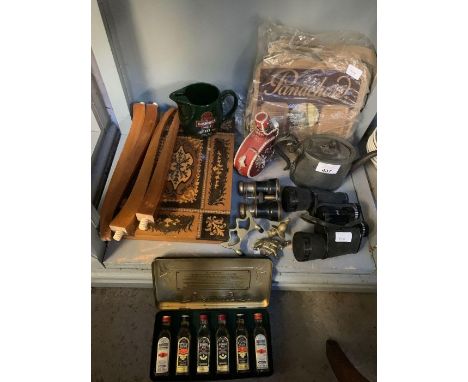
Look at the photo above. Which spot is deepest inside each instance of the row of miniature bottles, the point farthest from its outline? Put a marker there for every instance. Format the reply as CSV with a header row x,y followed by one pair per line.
x,y
221,346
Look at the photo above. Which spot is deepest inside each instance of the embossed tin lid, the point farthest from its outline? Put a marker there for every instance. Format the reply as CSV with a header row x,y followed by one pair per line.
x,y
200,283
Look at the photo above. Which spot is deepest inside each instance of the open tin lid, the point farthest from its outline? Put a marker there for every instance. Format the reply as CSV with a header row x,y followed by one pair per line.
x,y
200,283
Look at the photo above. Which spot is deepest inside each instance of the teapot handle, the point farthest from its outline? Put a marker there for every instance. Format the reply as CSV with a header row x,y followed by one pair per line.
x,y
288,138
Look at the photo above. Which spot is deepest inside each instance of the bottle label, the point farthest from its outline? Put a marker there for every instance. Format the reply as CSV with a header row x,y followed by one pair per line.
x,y
222,354
183,347
162,356
242,351
261,352
203,355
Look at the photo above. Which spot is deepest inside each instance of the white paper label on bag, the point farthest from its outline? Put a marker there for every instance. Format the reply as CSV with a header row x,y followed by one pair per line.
x,y
354,72
327,168
343,237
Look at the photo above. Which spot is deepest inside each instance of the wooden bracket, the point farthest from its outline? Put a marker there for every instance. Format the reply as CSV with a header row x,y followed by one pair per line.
x,y
132,153
120,177
150,203
125,222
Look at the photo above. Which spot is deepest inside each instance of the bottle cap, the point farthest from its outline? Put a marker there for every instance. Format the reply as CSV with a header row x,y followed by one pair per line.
x,y
221,317
258,316
166,319
240,315
203,317
185,316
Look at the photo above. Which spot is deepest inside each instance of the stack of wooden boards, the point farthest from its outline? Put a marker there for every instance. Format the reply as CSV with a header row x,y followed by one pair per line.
x,y
167,186
139,157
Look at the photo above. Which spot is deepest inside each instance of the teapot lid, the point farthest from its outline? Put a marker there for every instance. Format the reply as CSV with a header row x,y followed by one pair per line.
x,y
330,149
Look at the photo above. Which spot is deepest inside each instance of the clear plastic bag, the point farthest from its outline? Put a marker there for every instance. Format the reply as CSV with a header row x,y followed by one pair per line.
x,y
311,83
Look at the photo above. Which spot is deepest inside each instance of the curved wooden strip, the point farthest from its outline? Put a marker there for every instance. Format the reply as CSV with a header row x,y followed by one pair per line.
x,y
150,203
125,222
121,176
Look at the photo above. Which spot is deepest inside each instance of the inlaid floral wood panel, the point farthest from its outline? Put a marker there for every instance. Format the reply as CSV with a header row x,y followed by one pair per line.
x,y
196,203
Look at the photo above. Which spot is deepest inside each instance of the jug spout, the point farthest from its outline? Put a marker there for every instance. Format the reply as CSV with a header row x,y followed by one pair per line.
x,y
179,96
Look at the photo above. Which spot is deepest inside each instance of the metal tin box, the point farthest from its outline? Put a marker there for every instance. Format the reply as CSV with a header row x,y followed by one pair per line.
x,y
211,286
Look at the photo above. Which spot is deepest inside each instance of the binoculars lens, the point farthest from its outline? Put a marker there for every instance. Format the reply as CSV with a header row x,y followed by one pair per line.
x,y
296,199
308,246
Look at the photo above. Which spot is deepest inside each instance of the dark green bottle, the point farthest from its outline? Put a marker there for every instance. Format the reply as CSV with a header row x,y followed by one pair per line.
x,y
183,347
203,346
222,346
242,345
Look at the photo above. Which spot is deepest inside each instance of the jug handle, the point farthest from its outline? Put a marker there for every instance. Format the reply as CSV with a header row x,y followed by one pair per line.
x,y
224,94
289,139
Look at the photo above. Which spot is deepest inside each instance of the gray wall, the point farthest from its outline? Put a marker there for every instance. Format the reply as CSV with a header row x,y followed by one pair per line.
x,y
161,45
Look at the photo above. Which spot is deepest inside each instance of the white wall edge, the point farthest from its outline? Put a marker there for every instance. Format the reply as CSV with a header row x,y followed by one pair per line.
x,y
105,60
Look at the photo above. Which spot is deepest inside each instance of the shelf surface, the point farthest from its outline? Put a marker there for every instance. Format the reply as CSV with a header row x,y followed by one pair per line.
x,y
360,268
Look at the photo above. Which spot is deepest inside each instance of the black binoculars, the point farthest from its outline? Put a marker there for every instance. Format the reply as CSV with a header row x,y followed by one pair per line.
x,y
327,242
265,196
339,226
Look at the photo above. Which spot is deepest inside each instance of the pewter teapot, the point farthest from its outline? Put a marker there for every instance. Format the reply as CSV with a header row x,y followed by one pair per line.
x,y
321,161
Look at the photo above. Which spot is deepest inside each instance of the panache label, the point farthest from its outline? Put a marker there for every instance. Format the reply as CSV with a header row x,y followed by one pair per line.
x,y
183,349
222,354
162,356
261,352
242,353
288,85
203,355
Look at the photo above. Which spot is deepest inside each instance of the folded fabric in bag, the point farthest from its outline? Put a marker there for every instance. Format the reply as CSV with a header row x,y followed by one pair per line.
x,y
311,84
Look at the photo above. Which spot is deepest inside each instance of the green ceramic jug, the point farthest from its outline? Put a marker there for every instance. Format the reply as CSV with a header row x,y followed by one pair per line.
x,y
201,108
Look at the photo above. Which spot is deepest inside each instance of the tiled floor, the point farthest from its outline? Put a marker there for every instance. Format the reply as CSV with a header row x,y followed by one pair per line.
x,y
122,325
